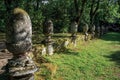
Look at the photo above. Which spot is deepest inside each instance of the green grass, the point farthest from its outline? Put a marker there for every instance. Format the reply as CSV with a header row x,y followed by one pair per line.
x,y
98,59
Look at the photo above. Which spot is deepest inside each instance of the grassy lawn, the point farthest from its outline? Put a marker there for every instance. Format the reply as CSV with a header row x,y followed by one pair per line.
x,y
98,59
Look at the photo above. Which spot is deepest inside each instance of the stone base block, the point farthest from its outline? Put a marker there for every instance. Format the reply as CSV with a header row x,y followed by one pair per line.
x,y
24,77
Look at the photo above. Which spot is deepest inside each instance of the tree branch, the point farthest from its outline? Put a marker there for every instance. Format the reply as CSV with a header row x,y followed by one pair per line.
x,y
92,5
97,7
79,11
76,6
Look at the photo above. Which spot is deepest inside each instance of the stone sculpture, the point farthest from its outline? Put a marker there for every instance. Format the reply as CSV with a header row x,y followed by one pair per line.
x,y
98,31
102,30
85,31
19,43
92,31
48,31
73,30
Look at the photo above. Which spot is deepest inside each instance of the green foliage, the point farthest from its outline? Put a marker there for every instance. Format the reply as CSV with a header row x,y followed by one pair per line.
x,y
37,21
62,12
108,12
2,18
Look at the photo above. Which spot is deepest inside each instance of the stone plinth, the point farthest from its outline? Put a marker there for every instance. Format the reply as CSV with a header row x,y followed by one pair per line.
x,y
73,30
98,31
85,31
92,31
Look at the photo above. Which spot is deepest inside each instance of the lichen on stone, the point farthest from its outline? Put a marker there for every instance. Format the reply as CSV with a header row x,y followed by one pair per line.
x,y
19,10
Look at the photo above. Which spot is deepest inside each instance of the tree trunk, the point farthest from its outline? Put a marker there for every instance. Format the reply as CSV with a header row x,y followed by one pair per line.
x,y
93,11
37,6
78,10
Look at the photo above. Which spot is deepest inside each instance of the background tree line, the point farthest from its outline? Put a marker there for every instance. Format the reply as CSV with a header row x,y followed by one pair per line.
x,y
63,12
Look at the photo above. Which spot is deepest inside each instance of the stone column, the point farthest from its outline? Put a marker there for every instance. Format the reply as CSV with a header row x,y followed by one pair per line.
x,y
85,31
48,31
92,31
106,29
98,31
102,30
19,43
73,30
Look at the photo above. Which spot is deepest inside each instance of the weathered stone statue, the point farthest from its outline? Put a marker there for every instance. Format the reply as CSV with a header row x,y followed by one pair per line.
x,y
106,29
102,30
73,30
92,31
48,31
98,31
19,42
48,27
85,30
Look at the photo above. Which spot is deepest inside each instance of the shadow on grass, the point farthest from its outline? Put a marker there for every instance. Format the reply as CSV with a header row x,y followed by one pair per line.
x,y
115,57
56,36
68,52
112,36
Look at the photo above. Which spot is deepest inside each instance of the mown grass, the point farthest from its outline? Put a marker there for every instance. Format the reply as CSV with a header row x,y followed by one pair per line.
x,y
98,59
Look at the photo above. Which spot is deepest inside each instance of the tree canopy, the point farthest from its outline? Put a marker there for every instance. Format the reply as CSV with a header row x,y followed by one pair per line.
x,y
63,12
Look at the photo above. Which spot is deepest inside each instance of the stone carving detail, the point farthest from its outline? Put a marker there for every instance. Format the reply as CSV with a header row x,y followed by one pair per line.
x,y
19,42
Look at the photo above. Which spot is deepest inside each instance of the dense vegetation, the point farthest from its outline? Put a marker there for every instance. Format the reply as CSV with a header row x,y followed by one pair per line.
x,y
62,12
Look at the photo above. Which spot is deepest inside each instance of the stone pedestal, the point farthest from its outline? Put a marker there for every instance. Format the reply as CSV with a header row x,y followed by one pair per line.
x,y
48,31
49,45
73,30
73,39
85,30
92,35
86,36
21,68
98,32
49,48
102,30
25,77
92,31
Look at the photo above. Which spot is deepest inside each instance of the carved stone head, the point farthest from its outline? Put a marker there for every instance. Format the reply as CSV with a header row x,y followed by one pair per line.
x,y
48,27
74,27
19,32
